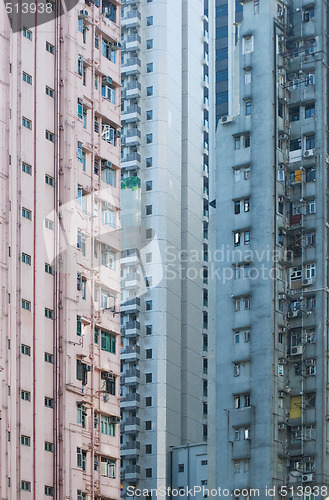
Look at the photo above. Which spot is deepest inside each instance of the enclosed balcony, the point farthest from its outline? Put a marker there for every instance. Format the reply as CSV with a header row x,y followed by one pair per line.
x,y
131,114
131,19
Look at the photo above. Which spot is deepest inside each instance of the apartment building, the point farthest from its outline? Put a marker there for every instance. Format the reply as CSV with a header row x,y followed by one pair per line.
x,y
164,217
269,376
60,254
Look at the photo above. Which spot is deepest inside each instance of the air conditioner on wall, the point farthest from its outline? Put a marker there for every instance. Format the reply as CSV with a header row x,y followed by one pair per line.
x,y
83,14
308,153
307,478
226,119
296,350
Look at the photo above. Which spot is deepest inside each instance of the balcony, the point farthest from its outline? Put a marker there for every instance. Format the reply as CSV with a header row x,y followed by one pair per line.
x,y
131,90
130,448
133,137
131,161
131,329
132,376
131,19
131,114
132,425
131,66
131,280
131,352
131,305
132,42
130,401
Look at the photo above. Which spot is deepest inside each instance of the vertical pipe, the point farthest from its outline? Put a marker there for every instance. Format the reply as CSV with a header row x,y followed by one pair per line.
x,y
34,247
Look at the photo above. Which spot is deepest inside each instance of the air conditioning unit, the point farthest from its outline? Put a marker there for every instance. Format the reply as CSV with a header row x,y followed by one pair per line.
x,y
308,153
307,478
309,362
107,79
283,136
115,420
296,350
83,14
226,119
308,281
282,296
116,45
282,427
106,164
294,314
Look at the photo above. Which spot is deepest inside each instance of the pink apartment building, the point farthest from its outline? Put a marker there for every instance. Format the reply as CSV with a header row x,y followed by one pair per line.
x,y
59,255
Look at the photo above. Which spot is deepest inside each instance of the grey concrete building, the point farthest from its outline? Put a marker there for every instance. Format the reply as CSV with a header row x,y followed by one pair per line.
x,y
164,213
189,466
268,400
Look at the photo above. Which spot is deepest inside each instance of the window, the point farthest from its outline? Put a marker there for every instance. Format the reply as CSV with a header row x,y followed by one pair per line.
x,y
81,495
148,305
26,485
108,341
107,50
49,446
49,402
27,78
248,44
237,239
148,185
149,44
49,491
236,370
308,14
50,136
27,33
149,138
295,144
247,237
26,168
148,210
26,304
310,207
148,472
26,123
149,114
149,67
25,349
148,401
107,427
27,214
149,91
148,425
49,358
180,467
247,76
148,378
108,467
294,114
148,449
149,162
246,205
149,21
81,415
108,383
310,142
248,107
25,395
246,141
50,48
25,440
310,174
310,110
49,269
81,242
256,7
81,458
237,207
49,313
148,234
26,259
237,143
49,180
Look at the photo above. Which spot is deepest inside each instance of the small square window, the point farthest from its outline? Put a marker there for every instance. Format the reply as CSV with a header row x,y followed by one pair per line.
x,y
149,91
49,91
148,234
149,44
148,353
148,425
27,78
26,123
148,209
148,401
149,67
49,180
26,168
248,107
148,185
148,449
148,378
180,467
27,33
149,114
149,21
310,110
149,138
149,162
148,305
237,143
148,329
50,48
50,136
49,358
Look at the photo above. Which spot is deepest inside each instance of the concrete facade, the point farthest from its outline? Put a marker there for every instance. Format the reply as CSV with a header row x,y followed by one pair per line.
x,y
164,193
60,256
189,471
269,371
